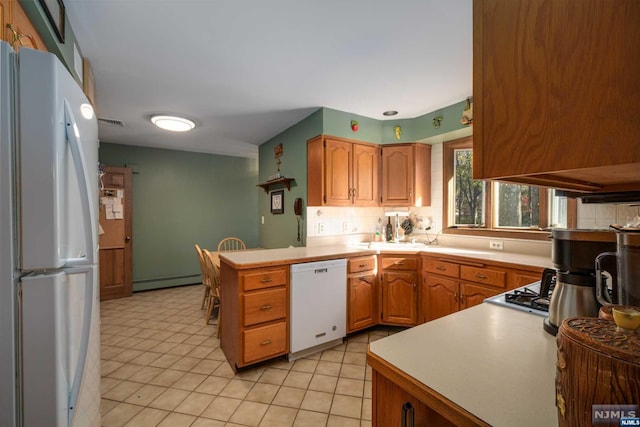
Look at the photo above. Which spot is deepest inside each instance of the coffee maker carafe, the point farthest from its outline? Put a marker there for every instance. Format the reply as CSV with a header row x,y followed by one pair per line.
x,y
627,255
572,253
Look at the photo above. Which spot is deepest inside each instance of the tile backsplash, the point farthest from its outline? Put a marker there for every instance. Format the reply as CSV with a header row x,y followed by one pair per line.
x,y
600,216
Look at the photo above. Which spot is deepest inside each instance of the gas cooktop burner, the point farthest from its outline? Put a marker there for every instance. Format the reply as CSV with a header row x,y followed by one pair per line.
x,y
528,298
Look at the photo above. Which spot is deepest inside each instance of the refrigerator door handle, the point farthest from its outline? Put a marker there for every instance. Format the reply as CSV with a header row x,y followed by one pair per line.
x,y
84,339
80,164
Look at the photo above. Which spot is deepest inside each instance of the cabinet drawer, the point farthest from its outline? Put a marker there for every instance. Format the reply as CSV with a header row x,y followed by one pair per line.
x,y
264,306
264,278
484,275
406,262
441,267
264,342
356,265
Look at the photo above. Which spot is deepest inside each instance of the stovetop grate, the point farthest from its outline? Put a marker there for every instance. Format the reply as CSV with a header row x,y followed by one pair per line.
x,y
525,297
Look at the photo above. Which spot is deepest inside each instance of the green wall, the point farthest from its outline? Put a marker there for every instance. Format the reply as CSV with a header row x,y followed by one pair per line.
x,y
180,199
279,231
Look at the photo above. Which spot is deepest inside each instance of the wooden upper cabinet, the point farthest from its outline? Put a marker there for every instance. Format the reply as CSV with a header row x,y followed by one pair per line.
x,y
365,175
555,93
338,172
341,172
21,32
406,175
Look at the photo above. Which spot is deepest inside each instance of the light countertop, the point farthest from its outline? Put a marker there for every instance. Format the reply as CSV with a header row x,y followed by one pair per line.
x,y
495,362
265,257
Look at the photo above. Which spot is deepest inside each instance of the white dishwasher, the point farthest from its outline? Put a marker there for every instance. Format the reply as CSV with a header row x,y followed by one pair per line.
x,y
318,304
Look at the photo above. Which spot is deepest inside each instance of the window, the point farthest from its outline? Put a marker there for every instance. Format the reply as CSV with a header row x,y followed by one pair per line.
x,y
469,193
488,208
516,206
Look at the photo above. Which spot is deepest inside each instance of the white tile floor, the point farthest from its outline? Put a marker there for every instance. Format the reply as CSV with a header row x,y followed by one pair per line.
x,y
163,366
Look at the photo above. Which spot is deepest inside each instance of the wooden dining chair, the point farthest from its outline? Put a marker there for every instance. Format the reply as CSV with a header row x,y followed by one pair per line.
x,y
205,278
231,244
215,294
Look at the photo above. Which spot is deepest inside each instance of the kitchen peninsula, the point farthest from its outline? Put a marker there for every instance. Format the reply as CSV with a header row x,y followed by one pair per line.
x,y
487,365
411,284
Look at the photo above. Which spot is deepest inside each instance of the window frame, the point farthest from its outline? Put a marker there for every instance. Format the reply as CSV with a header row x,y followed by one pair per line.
x,y
490,230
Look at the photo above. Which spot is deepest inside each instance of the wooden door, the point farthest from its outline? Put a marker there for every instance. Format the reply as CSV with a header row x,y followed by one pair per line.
x,y
399,297
439,297
338,173
397,175
365,175
17,29
471,295
361,303
116,233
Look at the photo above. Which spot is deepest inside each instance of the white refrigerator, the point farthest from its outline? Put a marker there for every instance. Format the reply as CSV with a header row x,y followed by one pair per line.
x,y
49,309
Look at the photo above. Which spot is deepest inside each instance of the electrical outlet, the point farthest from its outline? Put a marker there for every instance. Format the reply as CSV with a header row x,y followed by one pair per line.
x,y
496,245
345,227
320,228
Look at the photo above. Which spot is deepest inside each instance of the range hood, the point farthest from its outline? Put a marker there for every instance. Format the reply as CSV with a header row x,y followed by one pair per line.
x,y
626,197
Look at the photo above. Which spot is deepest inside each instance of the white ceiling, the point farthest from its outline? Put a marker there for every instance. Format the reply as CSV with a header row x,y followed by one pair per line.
x,y
245,70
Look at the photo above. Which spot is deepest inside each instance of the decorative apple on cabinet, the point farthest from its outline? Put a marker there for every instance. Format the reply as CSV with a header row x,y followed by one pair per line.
x,y
354,125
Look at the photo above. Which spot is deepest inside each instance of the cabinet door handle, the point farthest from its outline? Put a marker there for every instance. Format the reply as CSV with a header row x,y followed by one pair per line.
x,y
408,415
266,280
266,307
481,276
398,262
440,268
455,296
265,342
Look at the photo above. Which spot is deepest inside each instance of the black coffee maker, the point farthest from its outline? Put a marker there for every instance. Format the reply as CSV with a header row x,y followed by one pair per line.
x,y
573,252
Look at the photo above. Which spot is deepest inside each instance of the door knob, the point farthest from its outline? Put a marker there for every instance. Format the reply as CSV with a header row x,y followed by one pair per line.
x,y
127,238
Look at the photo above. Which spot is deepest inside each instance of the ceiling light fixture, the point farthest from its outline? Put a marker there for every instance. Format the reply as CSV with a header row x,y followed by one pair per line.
x,y
390,113
173,123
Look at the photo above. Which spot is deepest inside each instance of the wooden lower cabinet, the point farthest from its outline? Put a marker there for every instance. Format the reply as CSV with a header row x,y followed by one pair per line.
x,y
400,400
471,294
451,285
393,406
399,298
361,303
362,310
398,289
439,297
254,314
265,341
